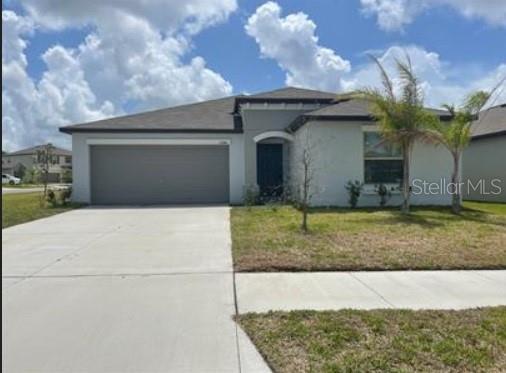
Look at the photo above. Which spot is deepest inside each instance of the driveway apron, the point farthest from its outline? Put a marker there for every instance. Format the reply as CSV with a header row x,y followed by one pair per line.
x,y
122,290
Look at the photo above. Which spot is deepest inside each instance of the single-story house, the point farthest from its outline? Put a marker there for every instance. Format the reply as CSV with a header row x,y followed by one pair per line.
x,y
484,161
216,151
18,162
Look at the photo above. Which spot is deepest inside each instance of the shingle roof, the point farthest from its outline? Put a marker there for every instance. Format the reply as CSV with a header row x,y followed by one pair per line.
x,y
293,93
221,115
347,109
34,149
209,116
356,108
491,122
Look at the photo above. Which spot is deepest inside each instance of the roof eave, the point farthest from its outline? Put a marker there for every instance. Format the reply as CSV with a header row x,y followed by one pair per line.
x,y
71,130
488,135
303,119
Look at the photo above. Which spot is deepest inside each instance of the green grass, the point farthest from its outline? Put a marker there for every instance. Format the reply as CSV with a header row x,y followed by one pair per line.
x,y
381,340
25,207
269,239
493,208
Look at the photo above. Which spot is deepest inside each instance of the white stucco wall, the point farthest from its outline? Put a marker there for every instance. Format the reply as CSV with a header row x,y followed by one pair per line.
x,y
339,156
485,159
81,158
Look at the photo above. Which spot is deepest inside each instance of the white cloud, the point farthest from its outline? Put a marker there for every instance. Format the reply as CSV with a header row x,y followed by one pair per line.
x,y
33,111
292,42
441,81
166,15
394,14
132,57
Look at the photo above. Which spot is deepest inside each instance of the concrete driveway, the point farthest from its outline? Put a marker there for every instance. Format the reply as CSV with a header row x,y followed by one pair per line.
x,y
122,290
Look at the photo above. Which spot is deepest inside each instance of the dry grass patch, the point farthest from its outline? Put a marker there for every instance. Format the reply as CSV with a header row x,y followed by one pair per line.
x,y
381,340
269,239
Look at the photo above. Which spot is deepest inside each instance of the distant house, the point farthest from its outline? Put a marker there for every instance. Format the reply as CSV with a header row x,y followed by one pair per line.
x,y
485,159
15,162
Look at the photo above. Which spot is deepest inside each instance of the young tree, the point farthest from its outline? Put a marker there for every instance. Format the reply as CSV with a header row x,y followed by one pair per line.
x,y
305,188
456,135
402,119
44,161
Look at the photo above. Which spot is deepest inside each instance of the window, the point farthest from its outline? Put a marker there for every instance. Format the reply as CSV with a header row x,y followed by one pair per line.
x,y
382,161
68,159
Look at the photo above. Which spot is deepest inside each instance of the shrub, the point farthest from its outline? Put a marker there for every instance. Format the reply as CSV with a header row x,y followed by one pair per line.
x,y
354,189
251,195
20,171
51,198
31,176
65,195
383,193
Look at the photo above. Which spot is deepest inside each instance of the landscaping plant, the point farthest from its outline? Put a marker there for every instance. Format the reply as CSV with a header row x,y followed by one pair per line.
x,y
384,194
456,135
402,119
354,189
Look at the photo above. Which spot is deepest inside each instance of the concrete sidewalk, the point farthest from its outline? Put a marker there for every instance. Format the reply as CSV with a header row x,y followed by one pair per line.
x,y
20,190
261,292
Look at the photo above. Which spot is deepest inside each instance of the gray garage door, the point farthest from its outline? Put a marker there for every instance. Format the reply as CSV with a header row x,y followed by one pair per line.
x,y
126,174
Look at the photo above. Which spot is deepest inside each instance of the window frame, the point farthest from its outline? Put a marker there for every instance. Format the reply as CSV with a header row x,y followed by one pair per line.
x,y
366,158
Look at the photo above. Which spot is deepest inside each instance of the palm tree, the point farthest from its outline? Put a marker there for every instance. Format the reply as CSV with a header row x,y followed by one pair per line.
x,y
402,120
456,135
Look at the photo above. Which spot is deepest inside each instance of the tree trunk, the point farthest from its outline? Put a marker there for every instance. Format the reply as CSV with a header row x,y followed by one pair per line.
x,y
304,219
406,150
456,181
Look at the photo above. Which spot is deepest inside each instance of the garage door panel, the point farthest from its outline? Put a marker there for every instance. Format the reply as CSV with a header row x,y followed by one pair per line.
x,y
159,174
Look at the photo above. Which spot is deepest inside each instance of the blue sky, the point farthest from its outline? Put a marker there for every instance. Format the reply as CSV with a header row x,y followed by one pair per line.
x,y
85,61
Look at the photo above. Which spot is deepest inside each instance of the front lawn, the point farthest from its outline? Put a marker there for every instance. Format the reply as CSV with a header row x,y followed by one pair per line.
x,y
22,208
269,239
381,340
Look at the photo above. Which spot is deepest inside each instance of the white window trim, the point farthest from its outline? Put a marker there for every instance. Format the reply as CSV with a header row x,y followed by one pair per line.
x,y
369,187
273,134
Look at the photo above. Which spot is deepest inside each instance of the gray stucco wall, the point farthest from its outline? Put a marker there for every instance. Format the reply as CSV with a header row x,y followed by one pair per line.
x,y
257,121
337,149
81,157
485,159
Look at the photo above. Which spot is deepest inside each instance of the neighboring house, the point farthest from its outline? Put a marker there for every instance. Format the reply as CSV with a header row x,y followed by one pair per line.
x,y
213,151
28,159
485,159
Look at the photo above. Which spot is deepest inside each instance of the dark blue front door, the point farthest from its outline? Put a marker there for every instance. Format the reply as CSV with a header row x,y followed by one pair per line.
x,y
270,169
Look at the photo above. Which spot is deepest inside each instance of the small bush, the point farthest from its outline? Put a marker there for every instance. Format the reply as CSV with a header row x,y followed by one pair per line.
x,y
354,189
51,198
64,196
31,176
383,193
251,195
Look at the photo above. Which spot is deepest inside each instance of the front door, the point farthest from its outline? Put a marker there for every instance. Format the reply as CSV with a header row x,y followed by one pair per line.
x,y
270,169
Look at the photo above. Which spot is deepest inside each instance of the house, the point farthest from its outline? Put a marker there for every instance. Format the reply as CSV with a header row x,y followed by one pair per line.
x,y
216,151
484,161
16,163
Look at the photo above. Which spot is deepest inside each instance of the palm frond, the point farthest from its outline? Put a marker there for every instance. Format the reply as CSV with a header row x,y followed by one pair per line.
x,y
385,79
